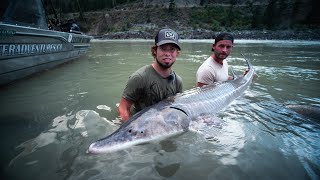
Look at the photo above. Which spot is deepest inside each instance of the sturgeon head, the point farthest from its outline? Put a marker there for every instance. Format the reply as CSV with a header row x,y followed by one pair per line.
x,y
151,124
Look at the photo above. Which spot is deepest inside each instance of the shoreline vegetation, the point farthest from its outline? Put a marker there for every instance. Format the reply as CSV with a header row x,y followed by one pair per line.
x,y
194,19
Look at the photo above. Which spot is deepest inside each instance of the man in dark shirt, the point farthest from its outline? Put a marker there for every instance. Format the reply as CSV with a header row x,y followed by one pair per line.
x,y
153,83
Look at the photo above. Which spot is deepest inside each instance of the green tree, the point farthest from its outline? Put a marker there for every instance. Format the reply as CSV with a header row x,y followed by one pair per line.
x,y
172,6
231,16
271,14
114,2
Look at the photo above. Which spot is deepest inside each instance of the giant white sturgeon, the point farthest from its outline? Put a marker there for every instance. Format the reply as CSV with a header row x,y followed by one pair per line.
x,y
174,115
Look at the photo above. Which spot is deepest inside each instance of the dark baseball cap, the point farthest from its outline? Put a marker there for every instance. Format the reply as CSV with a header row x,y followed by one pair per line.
x,y
165,36
223,36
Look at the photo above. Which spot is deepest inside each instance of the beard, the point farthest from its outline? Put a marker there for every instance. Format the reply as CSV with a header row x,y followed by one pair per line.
x,y
221,56
163,65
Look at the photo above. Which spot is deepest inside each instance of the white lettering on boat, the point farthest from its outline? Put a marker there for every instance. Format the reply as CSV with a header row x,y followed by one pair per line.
x,y
24,49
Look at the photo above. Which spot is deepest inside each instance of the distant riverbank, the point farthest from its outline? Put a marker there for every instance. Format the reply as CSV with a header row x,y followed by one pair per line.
x,y
207,34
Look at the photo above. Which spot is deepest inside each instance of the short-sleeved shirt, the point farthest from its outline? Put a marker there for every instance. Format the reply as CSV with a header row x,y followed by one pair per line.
x,y
146,87
210,71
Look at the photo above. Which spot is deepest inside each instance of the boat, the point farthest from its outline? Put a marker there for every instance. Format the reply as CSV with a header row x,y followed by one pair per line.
x,y
28,45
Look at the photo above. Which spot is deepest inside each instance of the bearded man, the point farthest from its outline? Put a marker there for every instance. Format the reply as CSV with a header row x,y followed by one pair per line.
x,y
215,68
153,83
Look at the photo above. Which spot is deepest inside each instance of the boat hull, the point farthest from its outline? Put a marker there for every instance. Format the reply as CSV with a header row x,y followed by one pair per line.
x,y
27,50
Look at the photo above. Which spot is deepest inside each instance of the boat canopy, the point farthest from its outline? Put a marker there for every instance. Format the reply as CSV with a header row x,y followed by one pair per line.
x,y
23,12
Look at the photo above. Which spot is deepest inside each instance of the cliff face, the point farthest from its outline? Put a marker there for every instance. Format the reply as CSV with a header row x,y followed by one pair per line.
x,y
285,11
198,18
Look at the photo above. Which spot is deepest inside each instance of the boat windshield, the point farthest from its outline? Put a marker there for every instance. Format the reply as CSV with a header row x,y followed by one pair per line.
x,y
23,12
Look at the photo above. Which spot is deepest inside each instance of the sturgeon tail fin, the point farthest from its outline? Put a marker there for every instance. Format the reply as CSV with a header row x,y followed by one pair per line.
x,y
248,62
233,73
249,66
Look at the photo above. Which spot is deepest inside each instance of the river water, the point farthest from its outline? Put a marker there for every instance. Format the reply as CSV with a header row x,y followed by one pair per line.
x,y
47,121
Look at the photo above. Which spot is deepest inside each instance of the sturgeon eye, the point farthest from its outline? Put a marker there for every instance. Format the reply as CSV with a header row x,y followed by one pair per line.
x,y
142,132
130,130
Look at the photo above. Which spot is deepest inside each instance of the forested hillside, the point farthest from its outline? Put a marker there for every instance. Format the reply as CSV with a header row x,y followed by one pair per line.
x,y
100,17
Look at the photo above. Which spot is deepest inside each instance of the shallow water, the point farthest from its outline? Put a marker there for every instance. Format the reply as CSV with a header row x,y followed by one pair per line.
x,y
47,121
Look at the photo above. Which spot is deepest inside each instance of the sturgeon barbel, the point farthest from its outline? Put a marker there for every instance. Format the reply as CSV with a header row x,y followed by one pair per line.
x,y
173,115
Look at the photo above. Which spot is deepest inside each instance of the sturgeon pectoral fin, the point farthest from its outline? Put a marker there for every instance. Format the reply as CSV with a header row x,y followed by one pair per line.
x,y
207,122
206,125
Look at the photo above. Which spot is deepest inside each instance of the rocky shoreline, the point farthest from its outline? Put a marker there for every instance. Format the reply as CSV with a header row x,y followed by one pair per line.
x,y
310,35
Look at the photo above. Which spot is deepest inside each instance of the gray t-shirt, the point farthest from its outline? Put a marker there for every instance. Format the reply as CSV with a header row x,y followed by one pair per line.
x,y
146,87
